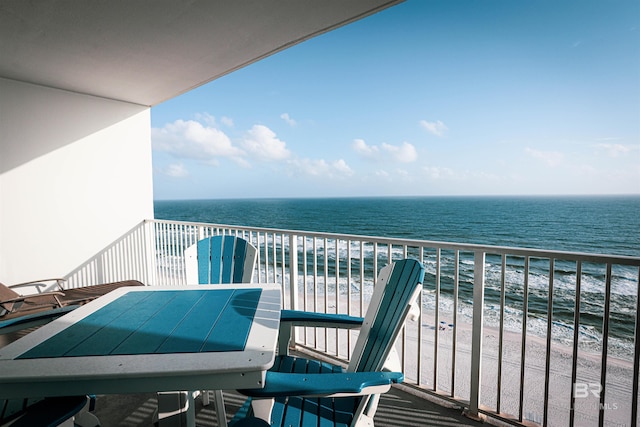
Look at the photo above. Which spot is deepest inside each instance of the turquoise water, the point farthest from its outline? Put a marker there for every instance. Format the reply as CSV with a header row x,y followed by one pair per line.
x,y
600,225
609,225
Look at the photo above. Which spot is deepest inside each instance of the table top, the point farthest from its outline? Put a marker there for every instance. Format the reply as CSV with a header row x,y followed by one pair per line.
x,y
148,339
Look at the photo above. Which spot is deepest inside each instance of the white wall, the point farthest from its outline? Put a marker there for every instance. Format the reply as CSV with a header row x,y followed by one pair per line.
x,y
75,174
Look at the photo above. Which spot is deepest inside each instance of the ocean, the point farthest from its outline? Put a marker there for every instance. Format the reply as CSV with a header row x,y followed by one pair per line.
x,y
606,224
593,224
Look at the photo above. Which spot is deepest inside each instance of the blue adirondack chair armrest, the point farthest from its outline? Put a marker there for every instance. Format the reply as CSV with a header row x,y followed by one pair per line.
x,y
278,384
291,318
326,320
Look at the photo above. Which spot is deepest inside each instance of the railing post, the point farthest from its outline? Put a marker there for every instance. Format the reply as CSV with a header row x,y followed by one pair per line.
x,y
100,265
293,280
476,335
151,236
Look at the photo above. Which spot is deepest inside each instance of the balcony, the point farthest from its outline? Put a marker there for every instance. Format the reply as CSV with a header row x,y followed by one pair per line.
x,y
511,335
396,409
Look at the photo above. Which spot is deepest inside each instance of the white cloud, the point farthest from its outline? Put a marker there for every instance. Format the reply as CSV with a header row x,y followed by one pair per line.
x,y
394,175
227,121
615,150
551,158
207,119
321,168
205,142
404,153
288,119
437,173
211,121
176,170
342,167
261,142
361,147
192,140
437,128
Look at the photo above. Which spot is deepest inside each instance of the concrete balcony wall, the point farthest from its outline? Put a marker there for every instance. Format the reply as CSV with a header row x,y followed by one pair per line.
x,y
75,175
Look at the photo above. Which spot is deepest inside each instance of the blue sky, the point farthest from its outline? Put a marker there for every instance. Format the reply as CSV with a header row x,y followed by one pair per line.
x,y
425,98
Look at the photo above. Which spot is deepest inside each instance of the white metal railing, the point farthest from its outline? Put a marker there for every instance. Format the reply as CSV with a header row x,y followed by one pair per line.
x,y
521,335
132,256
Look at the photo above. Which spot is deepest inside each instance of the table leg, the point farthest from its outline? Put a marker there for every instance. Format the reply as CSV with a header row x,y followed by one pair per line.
x,y
220,409
176,409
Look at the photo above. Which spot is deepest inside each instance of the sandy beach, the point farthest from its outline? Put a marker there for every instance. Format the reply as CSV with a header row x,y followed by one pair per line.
x,y
618,398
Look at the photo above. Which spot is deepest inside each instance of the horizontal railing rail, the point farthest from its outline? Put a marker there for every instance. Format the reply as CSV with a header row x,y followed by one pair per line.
x,y
527,336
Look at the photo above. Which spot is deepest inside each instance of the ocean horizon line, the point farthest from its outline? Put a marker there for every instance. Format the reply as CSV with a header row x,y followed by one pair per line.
x,y
452,196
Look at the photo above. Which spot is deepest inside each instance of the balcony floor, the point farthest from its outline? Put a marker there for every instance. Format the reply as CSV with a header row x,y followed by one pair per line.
x,y
397,408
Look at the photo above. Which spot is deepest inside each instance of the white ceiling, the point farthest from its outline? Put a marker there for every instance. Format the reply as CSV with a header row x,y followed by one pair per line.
x,y
148,51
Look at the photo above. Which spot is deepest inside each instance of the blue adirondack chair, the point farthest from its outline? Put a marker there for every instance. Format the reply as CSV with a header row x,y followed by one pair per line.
x,y
303,392
217,260
220,259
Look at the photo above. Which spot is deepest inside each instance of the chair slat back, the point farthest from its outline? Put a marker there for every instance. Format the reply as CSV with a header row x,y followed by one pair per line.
x,y
220,259
396,289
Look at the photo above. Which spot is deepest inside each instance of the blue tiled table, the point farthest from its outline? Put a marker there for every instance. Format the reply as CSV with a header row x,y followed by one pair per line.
x,y
149,339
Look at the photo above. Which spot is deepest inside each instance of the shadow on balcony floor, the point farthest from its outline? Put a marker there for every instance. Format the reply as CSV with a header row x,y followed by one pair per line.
x,y
397,408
